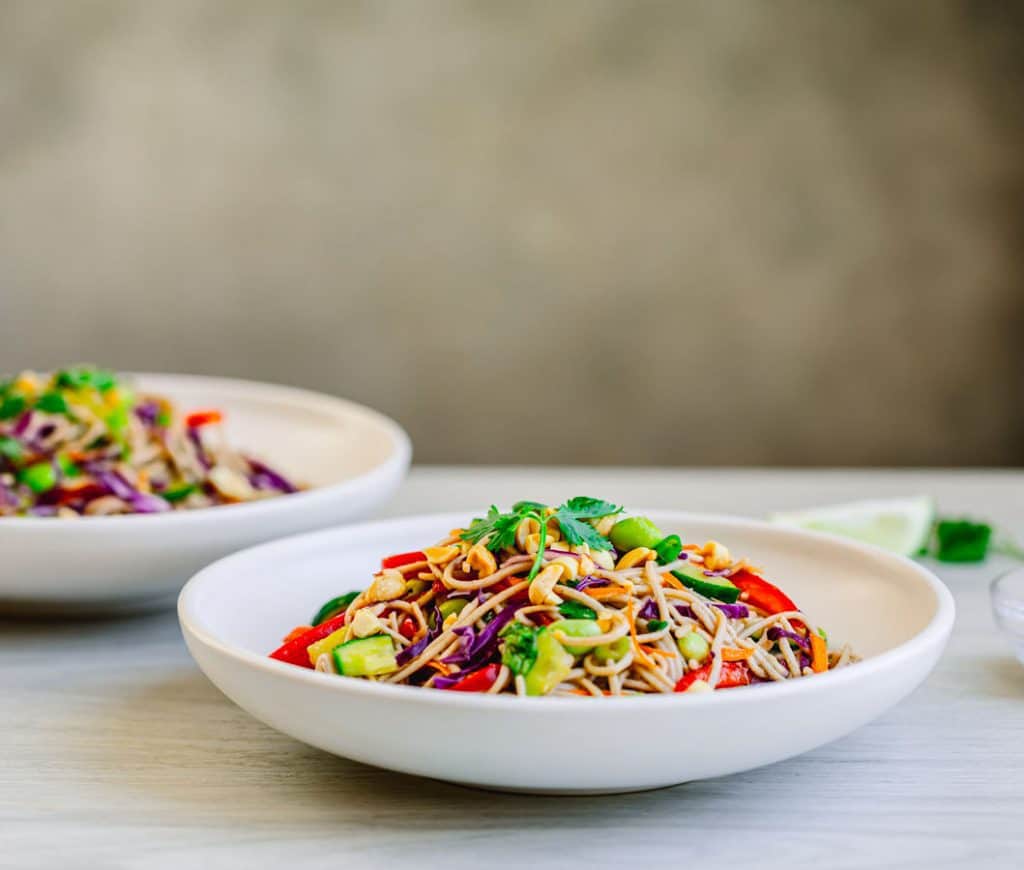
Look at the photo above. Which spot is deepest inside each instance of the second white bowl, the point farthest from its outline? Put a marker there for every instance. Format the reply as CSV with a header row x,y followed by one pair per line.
x,y
352,458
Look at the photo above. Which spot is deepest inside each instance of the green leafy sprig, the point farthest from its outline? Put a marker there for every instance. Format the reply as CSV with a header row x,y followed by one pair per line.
x,y
963,540
499,529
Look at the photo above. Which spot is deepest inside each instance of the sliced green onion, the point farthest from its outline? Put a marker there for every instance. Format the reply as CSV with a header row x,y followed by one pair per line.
x,y
177,493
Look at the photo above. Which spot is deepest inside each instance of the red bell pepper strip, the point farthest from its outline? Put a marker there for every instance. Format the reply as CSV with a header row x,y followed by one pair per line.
x,y
400,559
294,650
732,674
202,418
478,681
82,491
407,628
759,593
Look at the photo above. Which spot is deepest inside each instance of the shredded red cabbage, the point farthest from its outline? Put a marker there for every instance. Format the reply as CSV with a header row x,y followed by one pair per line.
x,y
733,611
649,610
23,423
265,477
148,413
774,633
591,580
478,647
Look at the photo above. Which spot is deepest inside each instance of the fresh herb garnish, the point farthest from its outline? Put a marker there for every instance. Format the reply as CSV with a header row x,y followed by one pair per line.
x,y
80,377
576,610
12,406
519,650
52,403
572,518
656,624
961,540
499,529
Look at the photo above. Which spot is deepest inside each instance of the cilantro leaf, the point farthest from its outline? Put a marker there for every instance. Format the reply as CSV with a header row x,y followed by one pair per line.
x,y
575,610
572,518
52,403
577,533
656,625
583,508
500,527
83,377
961,540
12,406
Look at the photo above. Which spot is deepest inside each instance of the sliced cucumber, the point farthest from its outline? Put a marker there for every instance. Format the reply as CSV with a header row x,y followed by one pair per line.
x,y
366,656
719,588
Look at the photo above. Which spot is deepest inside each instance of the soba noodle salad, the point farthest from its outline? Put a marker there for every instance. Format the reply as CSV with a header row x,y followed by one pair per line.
x,y
573,600
80,441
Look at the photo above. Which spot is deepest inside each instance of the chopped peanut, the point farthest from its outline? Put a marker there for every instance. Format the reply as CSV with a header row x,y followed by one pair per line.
x,y
482,561
387,586
365,623
716,556
542,587
440,555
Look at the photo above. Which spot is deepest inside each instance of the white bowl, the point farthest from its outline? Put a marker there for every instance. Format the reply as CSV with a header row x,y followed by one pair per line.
x,y
353,459
896,613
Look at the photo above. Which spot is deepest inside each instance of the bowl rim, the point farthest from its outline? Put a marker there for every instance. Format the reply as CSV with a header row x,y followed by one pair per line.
x,y
398,459
933,635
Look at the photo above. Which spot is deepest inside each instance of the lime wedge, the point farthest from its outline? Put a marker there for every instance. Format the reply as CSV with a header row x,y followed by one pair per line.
x,y
900,525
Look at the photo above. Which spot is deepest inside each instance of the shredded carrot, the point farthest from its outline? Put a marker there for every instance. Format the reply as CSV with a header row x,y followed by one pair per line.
x,y
654,651
732,654
819,653
691,547
607,592
637,648
295,632
672,581
440,667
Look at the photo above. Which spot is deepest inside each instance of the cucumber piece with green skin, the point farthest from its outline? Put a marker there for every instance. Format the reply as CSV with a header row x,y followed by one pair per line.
x,y
719,588
366,656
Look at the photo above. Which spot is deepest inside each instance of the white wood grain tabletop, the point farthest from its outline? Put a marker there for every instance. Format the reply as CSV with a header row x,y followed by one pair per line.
x,y
116,752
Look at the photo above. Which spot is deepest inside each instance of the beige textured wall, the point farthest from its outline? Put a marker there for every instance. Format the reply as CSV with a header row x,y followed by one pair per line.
x,y
679,232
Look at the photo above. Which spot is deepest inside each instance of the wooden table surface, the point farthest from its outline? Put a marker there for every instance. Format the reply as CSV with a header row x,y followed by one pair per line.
x,y
116,752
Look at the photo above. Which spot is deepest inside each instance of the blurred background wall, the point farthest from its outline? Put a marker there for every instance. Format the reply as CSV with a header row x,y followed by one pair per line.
x,y
719,232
